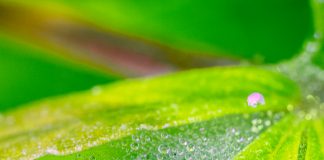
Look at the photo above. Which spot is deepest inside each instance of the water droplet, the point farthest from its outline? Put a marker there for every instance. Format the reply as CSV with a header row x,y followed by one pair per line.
x,y
240,140
260,127
134,146
267,123
180,152
147,138
254,129
135,138
233,130
123,127
164,149
312,47
190,147
317,35
183,141
160,157
255,99
165,136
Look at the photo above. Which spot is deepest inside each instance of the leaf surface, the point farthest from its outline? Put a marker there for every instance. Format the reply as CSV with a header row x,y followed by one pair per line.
x,y
80,121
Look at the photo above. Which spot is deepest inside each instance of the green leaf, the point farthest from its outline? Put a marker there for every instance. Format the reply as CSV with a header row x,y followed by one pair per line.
x,y
280,142
315,143
212,98
81,41
257,30
218,138
28,74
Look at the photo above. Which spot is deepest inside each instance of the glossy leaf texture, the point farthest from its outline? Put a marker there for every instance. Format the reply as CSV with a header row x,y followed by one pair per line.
x,y
106,121
254,30
28,73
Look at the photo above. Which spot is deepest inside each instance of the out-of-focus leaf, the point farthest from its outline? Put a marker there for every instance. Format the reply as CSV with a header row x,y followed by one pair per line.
x,y
28,74
318,36
77,122
257,30
80,39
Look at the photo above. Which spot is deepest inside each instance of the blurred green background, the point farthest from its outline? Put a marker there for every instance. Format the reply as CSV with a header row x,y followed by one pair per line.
x,y
49,48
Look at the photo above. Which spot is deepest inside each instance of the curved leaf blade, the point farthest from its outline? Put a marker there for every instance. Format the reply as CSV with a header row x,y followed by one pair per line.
x,y
314,144
219,138
279,142
111,112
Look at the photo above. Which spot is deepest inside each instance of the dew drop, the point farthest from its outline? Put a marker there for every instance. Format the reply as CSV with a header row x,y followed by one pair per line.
x,y
134,146
190,147
240,140
160,157
165,136
123,127
317,35
147,138
135,138
164,149
255,99
267,123
180,152
183,141
254,129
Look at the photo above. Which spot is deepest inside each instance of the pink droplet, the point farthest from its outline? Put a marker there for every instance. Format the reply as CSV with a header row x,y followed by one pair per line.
x,y
255,99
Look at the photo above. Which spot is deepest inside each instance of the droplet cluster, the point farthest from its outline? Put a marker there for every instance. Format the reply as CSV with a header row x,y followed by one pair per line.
x,y
219,138
309,77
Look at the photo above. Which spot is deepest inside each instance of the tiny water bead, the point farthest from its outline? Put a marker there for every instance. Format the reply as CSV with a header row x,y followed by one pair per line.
x,y
134,146
254,99
220,138
310,82
164,149
190,147
164,136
